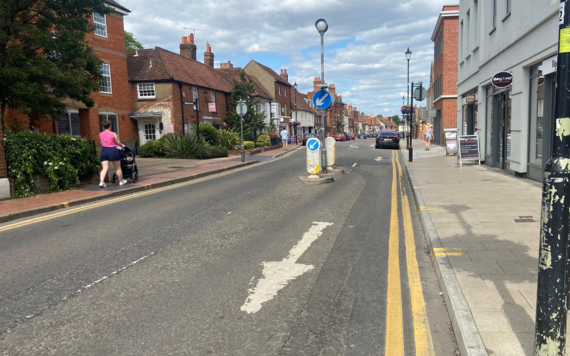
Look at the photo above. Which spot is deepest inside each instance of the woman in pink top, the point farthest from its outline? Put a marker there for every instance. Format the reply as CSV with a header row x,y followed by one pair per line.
x,y
109,153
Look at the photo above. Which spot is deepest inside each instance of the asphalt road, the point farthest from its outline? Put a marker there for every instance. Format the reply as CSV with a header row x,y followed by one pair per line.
x,y
249,262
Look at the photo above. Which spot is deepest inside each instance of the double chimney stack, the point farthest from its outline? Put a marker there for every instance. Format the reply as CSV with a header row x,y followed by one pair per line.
x,y
188,49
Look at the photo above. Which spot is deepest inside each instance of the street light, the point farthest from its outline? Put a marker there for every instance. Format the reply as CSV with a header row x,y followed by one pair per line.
x,y
408,57
322,27
296,137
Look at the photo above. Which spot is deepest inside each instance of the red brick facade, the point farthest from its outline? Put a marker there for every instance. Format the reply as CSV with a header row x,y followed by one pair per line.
x,y
3,169
445,69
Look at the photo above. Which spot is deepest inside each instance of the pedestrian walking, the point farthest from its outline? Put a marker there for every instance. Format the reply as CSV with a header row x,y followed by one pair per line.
x,y
109,153
285,138
429,136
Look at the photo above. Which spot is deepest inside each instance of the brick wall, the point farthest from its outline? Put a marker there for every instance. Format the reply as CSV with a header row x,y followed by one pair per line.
x,y
3,168
284,100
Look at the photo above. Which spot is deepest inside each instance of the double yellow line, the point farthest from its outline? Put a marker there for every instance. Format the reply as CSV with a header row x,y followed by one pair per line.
x,y
394,319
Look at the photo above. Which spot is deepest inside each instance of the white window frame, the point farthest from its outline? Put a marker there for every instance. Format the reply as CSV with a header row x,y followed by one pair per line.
x,y
106,76
153,96
115,127
213,96
153,132
285,92
194,94
69,113
279,90
100,25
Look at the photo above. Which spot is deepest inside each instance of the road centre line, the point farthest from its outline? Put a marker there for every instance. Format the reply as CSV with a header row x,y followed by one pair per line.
x,y
354,165
132,196
422,333
394,322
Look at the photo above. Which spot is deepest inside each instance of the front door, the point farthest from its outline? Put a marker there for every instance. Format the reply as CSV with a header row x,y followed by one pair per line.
x,y
502,153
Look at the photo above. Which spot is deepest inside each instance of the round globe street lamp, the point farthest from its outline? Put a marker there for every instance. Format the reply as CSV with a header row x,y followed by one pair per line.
x,y
322,26
408,57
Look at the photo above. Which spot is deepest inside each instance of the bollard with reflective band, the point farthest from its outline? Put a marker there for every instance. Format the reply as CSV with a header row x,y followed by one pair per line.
x,y
330,148
553,272
313,156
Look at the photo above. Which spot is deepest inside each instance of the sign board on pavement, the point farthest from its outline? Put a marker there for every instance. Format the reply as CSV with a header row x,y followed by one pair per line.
x,y
468,148
313,155
322,100
450,141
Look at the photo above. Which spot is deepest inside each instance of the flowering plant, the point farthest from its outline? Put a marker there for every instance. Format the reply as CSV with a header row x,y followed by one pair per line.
x,y
405,109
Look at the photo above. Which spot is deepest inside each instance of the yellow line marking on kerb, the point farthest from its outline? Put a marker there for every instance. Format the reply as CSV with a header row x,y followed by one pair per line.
x,y
448,254
65,204
428,208
422,333
394,322
447,251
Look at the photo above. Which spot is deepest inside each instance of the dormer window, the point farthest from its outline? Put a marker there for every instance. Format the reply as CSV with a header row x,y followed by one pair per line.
x,y
100,24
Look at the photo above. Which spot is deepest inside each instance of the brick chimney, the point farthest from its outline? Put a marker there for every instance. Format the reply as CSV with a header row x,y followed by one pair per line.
x,y
284,75
188,48
209,56
332,89
228,65
316,82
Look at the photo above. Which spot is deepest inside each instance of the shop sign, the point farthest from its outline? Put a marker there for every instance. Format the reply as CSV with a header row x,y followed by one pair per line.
x,y
470,98
212,107
432,113
540,80
549,65
468,148
502,80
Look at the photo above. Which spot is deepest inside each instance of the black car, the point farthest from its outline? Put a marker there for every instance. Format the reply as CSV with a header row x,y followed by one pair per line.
x,y
306,137
362,135
374,134
388,139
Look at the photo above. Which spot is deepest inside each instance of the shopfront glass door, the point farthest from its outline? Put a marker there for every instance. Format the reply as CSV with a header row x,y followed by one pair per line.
x,y
502,154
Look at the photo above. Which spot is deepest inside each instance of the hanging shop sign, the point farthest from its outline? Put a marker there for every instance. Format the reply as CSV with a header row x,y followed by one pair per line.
x,y
468,148
502,80
470,99
540,80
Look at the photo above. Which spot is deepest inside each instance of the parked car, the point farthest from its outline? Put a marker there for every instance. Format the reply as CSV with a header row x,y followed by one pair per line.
x,y
352,136
362,135
388,139
306,137
374,134
338,137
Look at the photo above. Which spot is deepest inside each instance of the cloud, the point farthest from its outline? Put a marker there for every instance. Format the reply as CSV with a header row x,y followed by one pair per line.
x,y
365,43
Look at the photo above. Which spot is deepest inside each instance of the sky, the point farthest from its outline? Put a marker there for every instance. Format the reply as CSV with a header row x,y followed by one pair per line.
x,y
364,45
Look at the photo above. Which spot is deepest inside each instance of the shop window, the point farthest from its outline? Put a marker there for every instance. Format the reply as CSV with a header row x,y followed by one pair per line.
x,y
100,24
489,125
146,91
536,133
111,117
149,132
69,124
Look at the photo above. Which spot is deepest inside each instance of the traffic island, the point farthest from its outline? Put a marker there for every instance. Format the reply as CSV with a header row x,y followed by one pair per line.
x,y
316,180
333,171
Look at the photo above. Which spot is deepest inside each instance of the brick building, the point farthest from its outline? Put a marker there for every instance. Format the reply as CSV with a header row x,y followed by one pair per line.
x,y
335,114
444,84
278,87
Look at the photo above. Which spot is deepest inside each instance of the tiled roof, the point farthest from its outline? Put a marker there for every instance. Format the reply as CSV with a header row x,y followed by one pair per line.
x,y
167,65
276,76
116,4
301,101
234,73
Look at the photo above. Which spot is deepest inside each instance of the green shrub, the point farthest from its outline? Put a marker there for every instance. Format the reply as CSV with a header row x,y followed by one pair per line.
x,y
151,149
263,140
212,152
209,134
248,145
229,139
182,146
60,158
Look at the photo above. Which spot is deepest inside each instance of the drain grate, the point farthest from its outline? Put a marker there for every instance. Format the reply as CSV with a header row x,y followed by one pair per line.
x,y
525,217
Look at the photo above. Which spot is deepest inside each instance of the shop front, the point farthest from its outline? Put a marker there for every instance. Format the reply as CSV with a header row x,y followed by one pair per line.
x,y
498,135
541,124
469,113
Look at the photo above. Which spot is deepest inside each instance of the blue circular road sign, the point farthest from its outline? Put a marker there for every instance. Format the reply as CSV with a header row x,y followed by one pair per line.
x,y
313,144
322,100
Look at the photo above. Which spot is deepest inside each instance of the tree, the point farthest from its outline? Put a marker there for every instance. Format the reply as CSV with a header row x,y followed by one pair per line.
x,y
131,42
243,90
396,119
45,55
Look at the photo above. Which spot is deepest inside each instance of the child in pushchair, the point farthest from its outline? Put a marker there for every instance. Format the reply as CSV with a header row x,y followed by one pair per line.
x,y
128,164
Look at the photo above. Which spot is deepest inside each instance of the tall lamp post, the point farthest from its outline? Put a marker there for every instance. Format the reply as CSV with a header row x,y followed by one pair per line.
x,y
322,27
408,57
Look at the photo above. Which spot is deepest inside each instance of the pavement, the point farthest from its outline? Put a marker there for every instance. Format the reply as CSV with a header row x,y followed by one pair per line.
x,y
247,262
486,256
153,172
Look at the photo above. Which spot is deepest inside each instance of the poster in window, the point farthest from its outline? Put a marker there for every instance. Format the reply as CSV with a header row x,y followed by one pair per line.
x,y
212,107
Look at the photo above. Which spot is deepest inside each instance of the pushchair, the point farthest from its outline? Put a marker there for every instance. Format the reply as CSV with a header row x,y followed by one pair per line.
x,y
128,164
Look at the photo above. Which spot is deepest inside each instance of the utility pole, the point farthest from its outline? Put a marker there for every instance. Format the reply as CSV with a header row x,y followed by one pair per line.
x,y
322,27
551,301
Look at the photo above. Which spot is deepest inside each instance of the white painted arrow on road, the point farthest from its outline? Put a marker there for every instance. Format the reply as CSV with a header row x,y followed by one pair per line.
x,y
276,275
351,146
379,159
